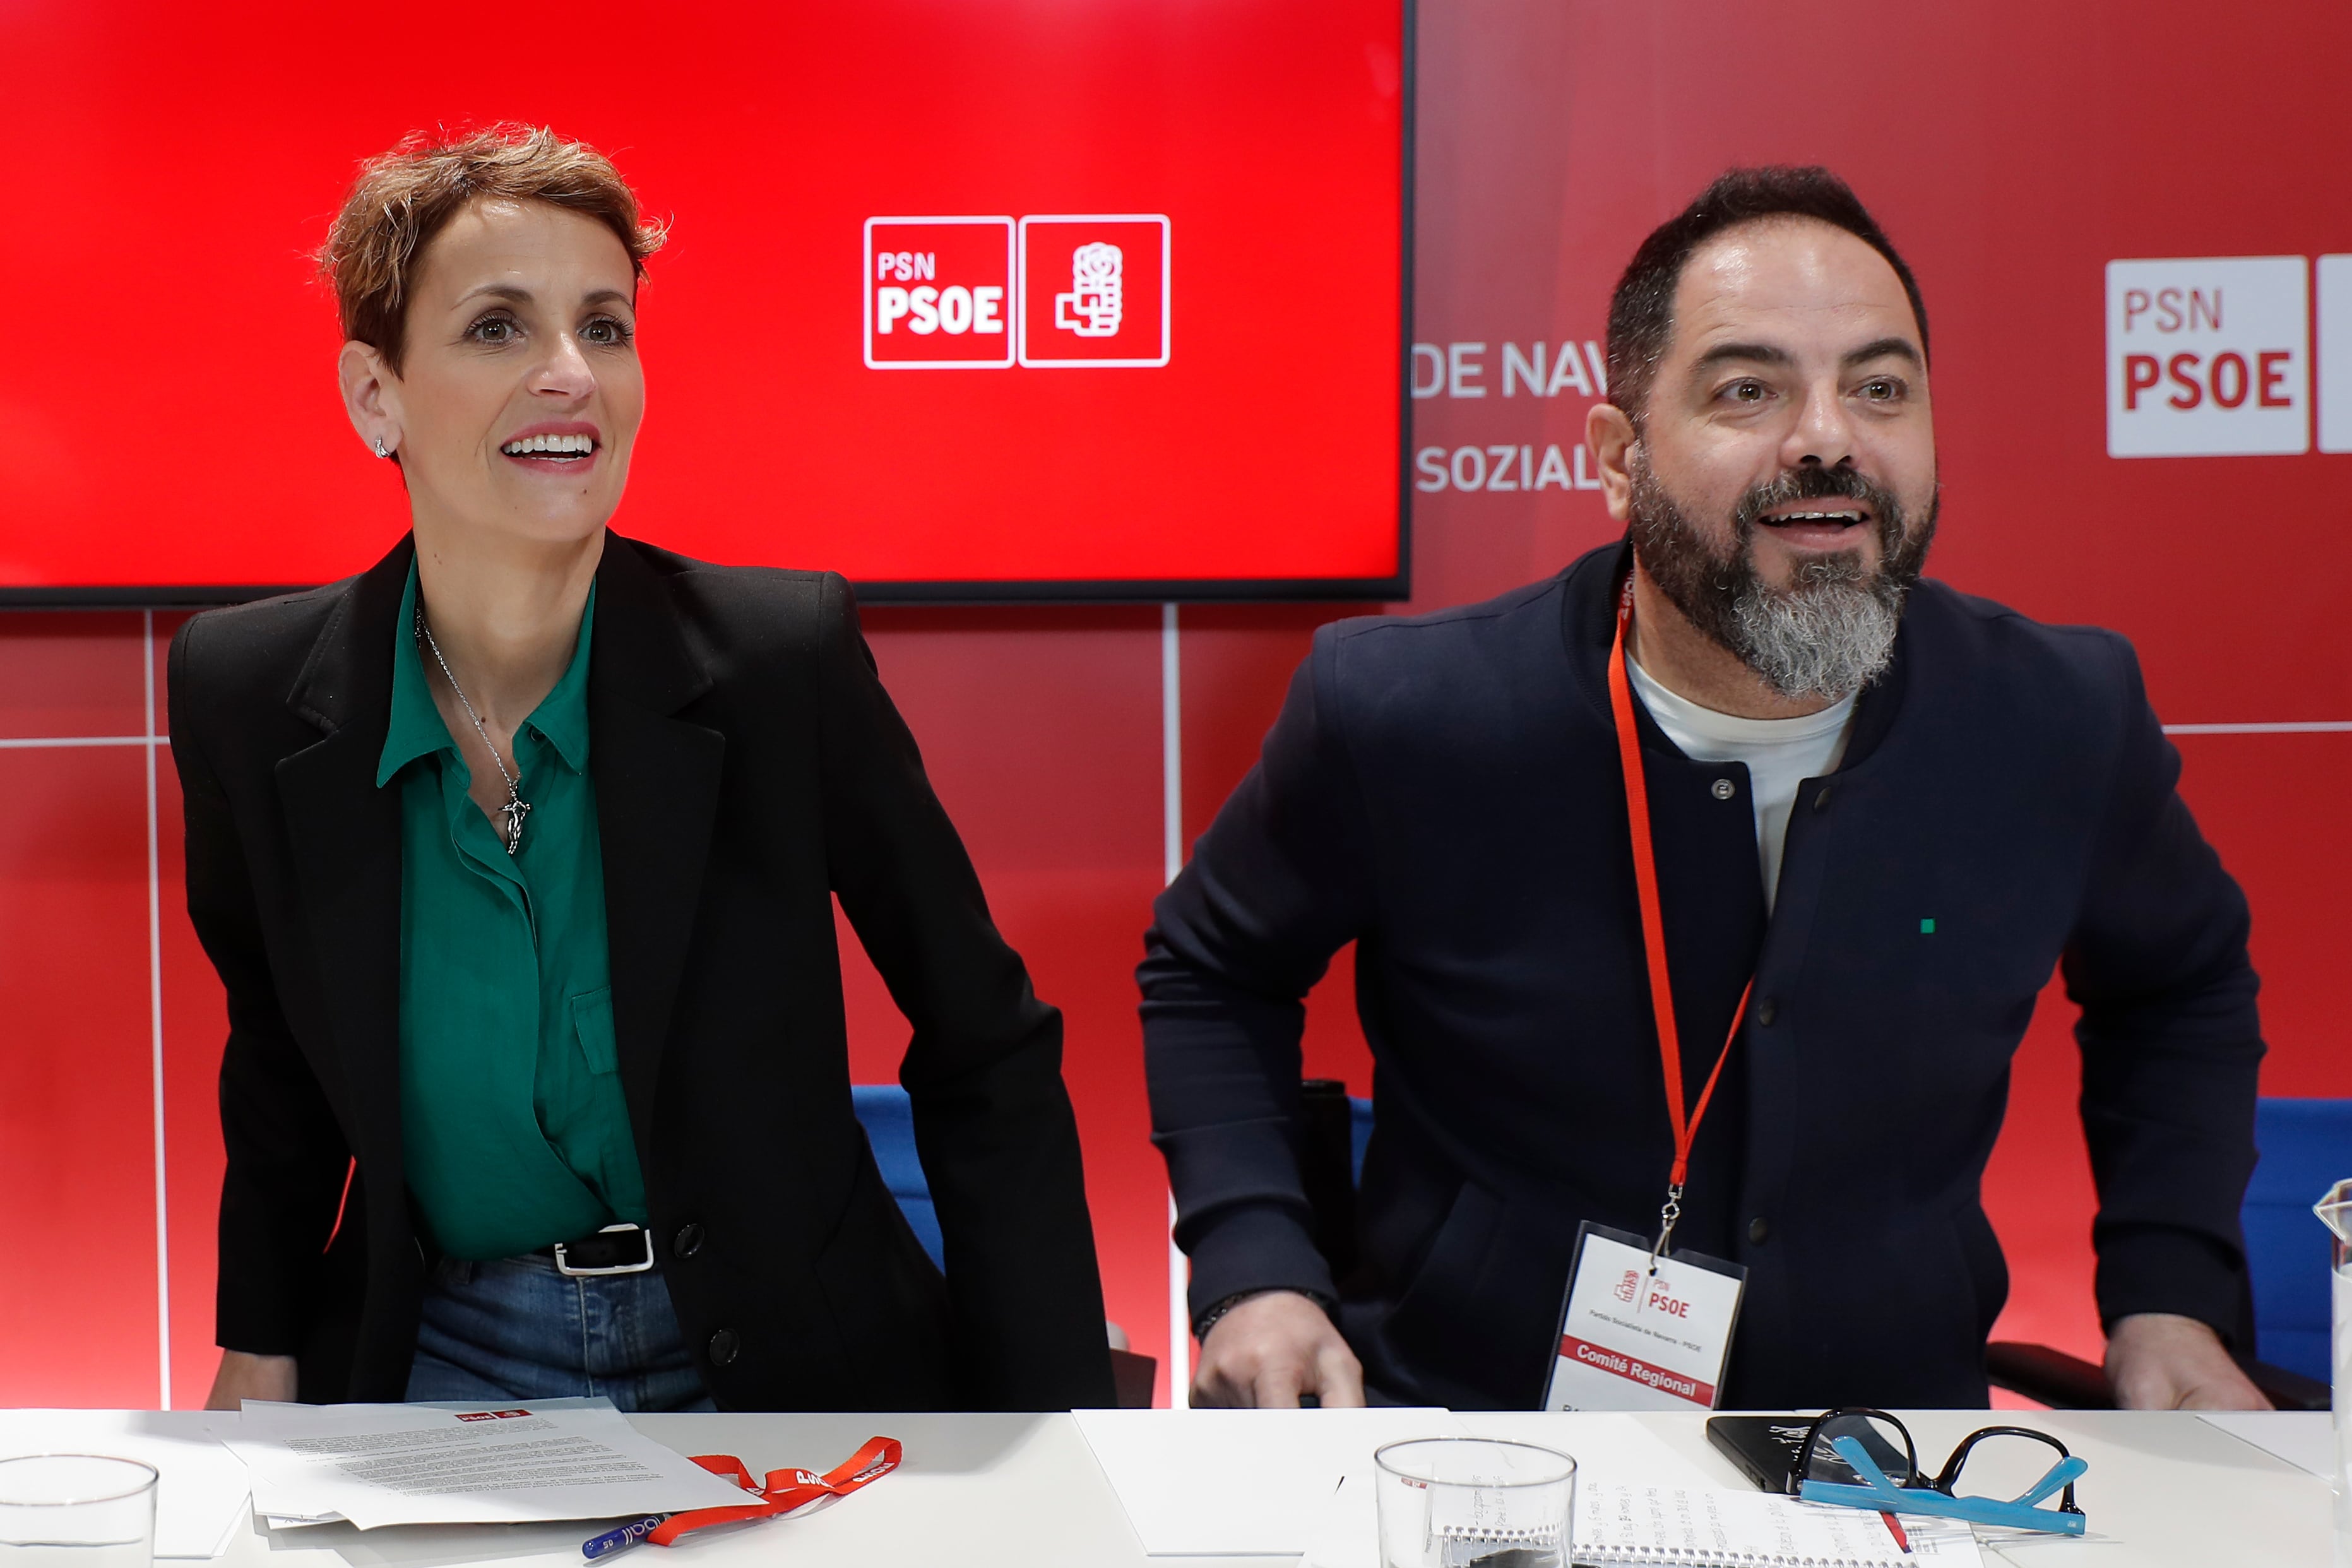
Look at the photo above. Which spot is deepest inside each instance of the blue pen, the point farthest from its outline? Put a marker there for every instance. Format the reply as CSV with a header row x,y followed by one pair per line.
x,y
627,1535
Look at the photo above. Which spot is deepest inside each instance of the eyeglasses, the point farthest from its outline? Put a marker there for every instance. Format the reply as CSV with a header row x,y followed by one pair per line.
x,y
1865,1459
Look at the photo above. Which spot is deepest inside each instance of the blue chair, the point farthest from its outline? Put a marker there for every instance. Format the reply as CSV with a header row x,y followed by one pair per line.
x,y
888,1118
2307,1148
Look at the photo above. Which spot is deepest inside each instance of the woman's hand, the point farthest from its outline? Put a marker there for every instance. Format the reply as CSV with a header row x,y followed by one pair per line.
x,y
244,1376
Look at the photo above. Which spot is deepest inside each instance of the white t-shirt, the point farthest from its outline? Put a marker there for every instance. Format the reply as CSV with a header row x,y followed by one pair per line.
x,y
1780,754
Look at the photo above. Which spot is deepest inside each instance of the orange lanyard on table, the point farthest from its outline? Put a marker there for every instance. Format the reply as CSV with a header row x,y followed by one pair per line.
x,y
1653,935
784,1490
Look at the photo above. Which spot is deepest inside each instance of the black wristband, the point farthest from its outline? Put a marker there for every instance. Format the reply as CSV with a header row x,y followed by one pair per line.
x,y
1207,1319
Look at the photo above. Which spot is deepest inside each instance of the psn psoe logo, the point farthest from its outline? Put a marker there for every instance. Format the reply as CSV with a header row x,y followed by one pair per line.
x,y
1095,290
1629,1286
938,290
2208,357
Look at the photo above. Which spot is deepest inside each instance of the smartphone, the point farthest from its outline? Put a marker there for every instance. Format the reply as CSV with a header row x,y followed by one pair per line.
x,y
1765,1448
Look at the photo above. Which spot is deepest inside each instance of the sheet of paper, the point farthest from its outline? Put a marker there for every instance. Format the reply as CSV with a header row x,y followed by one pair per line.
x,y
376,1464
2304,1438
200,1489
1605,1445
1220,1483
226,1428
1346,1531
1942,1543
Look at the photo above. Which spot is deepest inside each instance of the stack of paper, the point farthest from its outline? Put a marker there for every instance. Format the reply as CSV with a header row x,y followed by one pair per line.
x,y
1216,1483
376,1465
200,1489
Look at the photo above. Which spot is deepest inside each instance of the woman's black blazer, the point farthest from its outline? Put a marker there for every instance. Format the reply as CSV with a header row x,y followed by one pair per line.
x,y
749,768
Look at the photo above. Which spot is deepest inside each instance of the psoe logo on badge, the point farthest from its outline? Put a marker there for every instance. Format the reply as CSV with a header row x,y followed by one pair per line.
x,y
1664,1300
1630,1286
2208,357
1094,292
939,292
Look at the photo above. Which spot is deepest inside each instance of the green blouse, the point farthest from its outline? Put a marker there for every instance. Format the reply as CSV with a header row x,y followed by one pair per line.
x,y
513,1124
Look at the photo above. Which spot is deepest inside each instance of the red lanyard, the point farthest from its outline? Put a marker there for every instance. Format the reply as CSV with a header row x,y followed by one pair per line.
x,y
1653,933
785,1490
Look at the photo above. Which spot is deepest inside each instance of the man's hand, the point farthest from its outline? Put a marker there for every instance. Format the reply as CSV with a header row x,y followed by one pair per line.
x,y
2157,1360
1269,1350
244,1376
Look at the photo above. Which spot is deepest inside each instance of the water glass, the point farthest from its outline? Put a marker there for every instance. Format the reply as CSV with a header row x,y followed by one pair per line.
x,y
2335,1210
1452,1502
77,1511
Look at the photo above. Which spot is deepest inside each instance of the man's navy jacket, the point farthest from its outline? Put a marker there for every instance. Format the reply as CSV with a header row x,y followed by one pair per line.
x,y
1445,792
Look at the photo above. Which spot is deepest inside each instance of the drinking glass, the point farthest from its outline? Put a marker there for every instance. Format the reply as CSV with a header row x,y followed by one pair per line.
x,y
2334,1211
1452,1502
77,1511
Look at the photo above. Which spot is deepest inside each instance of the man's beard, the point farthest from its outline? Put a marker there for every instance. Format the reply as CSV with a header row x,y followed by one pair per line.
x,y
1831,632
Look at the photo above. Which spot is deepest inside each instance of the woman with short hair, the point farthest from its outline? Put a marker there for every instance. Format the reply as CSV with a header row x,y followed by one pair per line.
x,y
517,855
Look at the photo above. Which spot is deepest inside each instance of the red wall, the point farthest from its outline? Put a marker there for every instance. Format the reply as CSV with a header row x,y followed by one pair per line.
x,y
2011,148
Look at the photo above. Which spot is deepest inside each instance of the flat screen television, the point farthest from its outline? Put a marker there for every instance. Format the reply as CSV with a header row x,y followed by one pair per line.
x,y
964,298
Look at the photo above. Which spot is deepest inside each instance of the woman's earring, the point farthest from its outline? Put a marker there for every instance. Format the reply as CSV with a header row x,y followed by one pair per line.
x,y
381,449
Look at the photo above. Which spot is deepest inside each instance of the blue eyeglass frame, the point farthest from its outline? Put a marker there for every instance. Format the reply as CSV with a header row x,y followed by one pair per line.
x,y
1880,1494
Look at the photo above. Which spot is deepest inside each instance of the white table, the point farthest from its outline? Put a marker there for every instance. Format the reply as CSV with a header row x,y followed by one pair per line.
x,y
1023,1491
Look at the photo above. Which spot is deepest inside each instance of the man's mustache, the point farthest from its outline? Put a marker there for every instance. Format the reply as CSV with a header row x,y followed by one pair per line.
x,y
1814,483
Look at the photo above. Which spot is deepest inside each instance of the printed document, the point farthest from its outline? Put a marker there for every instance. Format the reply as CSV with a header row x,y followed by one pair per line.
x,y
376,1465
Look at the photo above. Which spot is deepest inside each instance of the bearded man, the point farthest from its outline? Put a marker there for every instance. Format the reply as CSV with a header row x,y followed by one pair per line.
x,y
1873,814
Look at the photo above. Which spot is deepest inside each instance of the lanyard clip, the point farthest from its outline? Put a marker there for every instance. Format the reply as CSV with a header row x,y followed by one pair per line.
x,y
1667,1216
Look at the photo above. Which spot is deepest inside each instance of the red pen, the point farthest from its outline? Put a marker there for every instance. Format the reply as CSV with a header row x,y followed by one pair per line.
x,y
1894,1528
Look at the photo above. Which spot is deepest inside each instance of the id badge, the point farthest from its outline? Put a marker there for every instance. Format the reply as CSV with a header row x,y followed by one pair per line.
x,y
1632,1339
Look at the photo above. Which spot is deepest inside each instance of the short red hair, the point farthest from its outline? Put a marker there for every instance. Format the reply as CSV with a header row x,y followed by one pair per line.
x,y
404,198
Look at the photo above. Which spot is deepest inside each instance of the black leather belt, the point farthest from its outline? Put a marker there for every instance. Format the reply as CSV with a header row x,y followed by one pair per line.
x,y
615,1249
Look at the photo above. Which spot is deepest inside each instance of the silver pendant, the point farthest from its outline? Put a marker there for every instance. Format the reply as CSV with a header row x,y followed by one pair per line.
x,y
514,811
516,807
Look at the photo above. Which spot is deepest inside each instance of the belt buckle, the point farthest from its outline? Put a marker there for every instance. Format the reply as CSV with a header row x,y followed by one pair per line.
x,y
562,1265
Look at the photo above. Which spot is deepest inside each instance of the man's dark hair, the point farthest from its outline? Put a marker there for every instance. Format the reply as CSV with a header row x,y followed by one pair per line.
x,y
1641,312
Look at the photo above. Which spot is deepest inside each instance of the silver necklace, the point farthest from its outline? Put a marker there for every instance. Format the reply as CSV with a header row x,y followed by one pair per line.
x,y
516,807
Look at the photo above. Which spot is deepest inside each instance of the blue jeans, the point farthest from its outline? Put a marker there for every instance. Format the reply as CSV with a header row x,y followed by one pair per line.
x,y
514,1328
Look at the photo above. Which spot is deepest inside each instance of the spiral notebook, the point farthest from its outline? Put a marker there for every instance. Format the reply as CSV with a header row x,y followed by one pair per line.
x,y
1635,1524
1704,1527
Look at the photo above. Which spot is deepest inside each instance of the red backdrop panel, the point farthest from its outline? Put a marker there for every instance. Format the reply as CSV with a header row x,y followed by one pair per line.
x,y
1040,730
2013,150
77,1183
